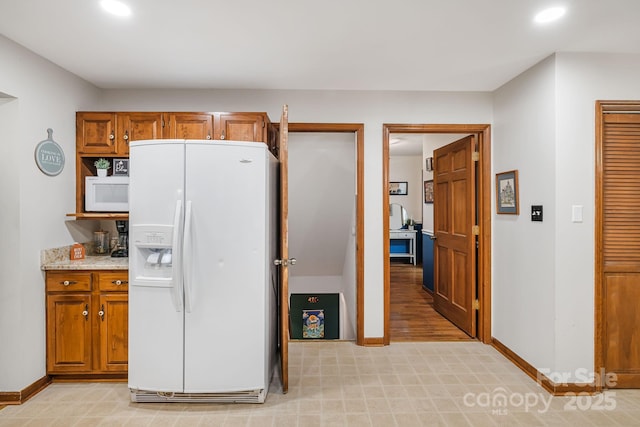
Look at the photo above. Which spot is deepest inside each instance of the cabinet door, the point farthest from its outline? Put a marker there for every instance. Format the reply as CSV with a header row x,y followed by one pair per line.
x,y
68,333
113,316
241,127
96,133
189,126
136,127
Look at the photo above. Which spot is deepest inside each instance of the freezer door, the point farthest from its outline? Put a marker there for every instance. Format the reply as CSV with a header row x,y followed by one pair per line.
x,y
225,279
156,312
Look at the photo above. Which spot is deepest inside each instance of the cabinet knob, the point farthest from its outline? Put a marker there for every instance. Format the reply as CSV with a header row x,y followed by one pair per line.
x,y
126,135
85,313
112,136
101,312
209,136
222,136
68,282
119,282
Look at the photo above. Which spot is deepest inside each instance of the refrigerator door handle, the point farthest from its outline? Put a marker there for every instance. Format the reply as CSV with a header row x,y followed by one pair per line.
x,y
187,256
176,289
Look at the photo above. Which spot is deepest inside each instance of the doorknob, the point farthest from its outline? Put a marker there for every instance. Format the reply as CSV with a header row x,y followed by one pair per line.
x,y
433,237
285,262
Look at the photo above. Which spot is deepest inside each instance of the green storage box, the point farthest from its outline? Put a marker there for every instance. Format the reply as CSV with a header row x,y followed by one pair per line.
x,y
315,316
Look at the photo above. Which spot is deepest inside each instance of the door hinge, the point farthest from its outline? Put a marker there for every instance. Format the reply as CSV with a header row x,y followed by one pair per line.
x,y
476,230
476,304
475,156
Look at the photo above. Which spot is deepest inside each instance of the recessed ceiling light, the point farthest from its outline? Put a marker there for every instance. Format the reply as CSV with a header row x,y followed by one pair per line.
x,y
550,14
115,7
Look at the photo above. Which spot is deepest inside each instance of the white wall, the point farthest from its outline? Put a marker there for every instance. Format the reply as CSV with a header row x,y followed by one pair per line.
x,y
409,169
322,169
524,251
10,313
349,284
35,204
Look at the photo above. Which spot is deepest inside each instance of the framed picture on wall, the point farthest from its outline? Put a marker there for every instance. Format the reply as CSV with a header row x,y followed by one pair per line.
x,y
398,188
428,191
507,193
121,167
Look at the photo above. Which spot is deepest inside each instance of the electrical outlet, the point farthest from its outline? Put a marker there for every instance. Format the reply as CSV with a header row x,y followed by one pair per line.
x,y
536,213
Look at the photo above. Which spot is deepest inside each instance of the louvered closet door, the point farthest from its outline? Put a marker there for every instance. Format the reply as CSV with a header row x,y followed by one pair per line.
x,y
620,262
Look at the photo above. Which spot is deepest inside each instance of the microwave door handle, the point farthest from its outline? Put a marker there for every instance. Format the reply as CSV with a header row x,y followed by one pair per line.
x,y
186,253
176,289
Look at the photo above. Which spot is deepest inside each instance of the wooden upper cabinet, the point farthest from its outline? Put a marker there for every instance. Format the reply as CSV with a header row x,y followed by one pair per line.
x,y
241,126
136,127
96,133
104,133
189,126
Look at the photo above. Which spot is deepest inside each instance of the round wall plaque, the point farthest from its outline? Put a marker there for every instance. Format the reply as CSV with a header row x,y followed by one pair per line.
x,y
49,156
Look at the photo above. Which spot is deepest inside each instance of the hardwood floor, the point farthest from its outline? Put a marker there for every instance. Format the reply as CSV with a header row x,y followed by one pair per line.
x,y
413,317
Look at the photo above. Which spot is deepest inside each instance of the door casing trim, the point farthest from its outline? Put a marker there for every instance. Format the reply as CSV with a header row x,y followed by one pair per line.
x,y
484,182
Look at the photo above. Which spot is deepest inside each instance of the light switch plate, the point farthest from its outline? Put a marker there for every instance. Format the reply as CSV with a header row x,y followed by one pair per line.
x,y
576,213
536,213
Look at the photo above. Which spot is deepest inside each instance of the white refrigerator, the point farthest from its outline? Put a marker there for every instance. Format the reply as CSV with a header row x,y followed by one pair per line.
x,y
202,282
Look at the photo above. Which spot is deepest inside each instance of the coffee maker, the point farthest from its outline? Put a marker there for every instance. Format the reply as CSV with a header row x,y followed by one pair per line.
x,y
122,248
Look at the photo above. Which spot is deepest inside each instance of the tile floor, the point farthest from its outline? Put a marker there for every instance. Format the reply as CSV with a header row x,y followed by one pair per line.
x,y
341,384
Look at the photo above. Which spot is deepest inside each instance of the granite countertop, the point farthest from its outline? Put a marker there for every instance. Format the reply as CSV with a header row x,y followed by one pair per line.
x,y
58,259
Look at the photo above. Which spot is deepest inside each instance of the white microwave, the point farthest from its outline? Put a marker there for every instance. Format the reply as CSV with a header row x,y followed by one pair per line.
x,y
106,194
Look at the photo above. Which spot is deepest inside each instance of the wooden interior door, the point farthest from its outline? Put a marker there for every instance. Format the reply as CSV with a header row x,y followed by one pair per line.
x,y
618,245
283,154
455,242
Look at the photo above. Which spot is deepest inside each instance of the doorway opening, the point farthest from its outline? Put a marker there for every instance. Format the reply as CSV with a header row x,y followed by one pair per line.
x,y
354,264
481,218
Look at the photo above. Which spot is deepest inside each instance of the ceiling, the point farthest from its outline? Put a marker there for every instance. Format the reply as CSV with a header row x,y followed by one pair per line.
x,y
430,45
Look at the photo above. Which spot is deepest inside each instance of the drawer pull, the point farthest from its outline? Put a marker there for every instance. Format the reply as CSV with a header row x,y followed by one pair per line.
x,y
68,282
119,282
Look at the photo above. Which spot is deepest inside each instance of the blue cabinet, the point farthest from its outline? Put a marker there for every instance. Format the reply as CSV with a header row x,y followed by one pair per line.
x,y
427,261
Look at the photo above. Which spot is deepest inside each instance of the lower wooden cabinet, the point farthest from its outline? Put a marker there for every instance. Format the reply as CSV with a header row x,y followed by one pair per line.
x,y
87,322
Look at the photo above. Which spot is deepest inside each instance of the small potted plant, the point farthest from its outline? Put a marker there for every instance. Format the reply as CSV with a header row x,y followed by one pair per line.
x,y
411,223
102,165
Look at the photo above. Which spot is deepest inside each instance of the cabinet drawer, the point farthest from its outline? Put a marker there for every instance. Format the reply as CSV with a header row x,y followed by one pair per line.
x,y
68,281
402,235
114,281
